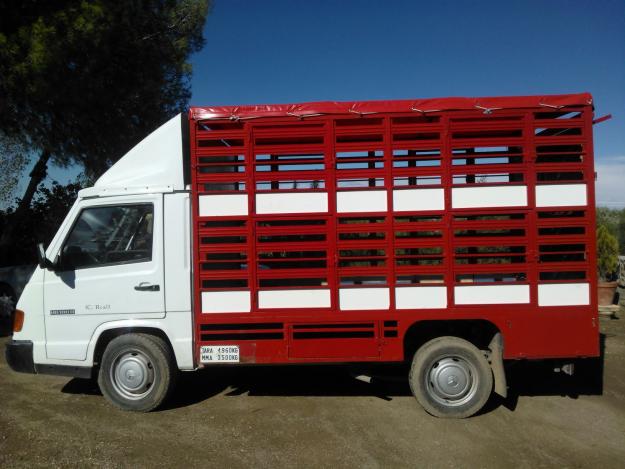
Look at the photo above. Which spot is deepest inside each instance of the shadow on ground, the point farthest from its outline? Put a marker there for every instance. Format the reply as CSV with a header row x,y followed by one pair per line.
x,y
525,378
538,378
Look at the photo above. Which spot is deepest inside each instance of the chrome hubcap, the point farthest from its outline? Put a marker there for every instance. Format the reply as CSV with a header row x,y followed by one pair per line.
x,y
132,374
451,380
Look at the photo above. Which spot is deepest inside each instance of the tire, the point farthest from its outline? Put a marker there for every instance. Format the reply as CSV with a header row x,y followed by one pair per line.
x,y
450,378
137,372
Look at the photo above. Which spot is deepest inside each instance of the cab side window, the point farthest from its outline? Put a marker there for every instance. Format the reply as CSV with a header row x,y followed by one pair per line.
x,y
109,235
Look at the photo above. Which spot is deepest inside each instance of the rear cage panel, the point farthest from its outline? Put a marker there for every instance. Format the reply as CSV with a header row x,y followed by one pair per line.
x,y
325,238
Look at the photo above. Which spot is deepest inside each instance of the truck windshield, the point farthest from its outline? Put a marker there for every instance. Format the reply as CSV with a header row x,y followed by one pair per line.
x,y
109,235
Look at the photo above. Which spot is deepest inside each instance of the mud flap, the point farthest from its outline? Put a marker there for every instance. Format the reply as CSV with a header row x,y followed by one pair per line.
x,y
496,363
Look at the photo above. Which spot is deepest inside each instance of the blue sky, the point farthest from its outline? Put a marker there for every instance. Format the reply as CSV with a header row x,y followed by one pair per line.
x,y
292,51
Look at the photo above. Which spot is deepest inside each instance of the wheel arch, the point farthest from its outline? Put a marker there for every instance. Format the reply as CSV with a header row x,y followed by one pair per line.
x,y
173,329
104,336
108,335
479,332
482,333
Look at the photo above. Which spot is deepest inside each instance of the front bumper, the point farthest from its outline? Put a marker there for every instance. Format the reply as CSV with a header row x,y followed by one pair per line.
x,y
19,355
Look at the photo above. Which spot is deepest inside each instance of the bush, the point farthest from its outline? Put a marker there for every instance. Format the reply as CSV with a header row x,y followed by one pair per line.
x,y
607,253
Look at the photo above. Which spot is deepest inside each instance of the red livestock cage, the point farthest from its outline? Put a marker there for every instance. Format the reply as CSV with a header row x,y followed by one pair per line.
x,y
330,232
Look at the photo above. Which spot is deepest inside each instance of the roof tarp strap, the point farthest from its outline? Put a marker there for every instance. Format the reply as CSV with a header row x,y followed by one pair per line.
x,y
302,110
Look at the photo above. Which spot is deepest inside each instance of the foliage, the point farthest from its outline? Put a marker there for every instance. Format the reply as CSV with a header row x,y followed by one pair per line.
x,y
81,82
13,161
85,81
40,223
609,218
614,221
607,252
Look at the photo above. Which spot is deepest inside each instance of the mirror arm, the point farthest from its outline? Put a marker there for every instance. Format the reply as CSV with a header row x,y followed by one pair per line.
x,y
44,262
54,265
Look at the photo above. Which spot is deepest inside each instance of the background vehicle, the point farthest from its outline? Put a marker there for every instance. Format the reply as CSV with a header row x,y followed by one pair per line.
x,y
453,233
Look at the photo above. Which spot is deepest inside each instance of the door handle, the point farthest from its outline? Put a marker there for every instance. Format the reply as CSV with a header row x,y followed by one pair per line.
x,y
147,286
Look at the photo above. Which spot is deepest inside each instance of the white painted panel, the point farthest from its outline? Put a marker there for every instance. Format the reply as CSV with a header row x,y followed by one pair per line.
x,y
361,201
491,294
177,214
226,302
561,195
304,202
103,293
563,294
223,205
420,297
154,161
363,298
489,196
407,200
294,299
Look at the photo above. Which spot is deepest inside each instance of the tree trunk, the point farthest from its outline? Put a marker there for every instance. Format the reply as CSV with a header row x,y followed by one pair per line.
x,y
7,239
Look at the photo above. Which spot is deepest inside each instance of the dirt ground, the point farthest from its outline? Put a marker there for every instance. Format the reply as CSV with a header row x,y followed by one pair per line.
x,y
319,417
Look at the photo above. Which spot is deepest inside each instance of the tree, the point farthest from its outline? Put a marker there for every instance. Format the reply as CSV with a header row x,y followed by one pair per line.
x,y
82,82
13,161
607,252
40,223
614,221
609,218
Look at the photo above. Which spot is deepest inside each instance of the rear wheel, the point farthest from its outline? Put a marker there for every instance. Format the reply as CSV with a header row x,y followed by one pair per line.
x,y
451,378
137,372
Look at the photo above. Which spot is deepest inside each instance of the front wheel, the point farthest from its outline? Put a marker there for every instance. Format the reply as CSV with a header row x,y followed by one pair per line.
x,y
137,372
451,378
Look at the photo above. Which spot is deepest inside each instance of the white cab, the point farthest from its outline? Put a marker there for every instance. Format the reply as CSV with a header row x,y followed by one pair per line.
x,y
78,300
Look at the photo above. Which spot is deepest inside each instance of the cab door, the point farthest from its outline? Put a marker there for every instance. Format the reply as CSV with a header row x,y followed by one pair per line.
x,y
109,266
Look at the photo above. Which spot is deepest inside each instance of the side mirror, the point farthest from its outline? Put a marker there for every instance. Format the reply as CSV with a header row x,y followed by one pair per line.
x,y
44,262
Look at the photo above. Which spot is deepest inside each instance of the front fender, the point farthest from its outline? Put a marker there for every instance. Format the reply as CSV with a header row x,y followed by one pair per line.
x,y
174,326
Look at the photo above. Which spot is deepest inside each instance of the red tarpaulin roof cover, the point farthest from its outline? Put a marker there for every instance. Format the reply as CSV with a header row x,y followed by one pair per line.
x,y
372,107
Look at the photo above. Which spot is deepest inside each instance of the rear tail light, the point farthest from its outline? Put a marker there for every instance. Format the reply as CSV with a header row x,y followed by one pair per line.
x,y
18,320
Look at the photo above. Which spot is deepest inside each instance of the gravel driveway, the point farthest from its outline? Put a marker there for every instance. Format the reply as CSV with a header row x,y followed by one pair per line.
x,y
318,417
